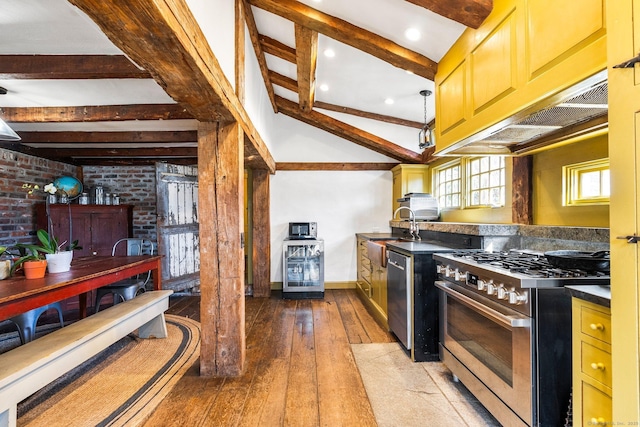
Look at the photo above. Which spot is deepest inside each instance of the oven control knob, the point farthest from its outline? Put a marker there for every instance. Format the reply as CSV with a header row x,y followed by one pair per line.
x,y
460,276
503,293
516,299
491,288
482,285
440,268
450,272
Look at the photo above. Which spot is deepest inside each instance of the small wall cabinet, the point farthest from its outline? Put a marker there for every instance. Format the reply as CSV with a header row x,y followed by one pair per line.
x,y
592,405
409,179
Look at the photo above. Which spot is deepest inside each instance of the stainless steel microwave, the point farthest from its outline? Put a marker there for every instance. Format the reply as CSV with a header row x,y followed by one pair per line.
x,y
303,230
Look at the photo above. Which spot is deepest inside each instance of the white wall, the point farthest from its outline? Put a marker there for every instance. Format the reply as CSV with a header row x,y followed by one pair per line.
x,y
217,21
343,203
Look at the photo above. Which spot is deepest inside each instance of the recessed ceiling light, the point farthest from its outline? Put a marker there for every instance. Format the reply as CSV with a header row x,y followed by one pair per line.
x,y
408,71
324,87
329,53
412,34
388,101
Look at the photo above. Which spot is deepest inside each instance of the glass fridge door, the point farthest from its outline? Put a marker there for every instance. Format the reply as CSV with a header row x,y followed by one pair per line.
x,y
303,266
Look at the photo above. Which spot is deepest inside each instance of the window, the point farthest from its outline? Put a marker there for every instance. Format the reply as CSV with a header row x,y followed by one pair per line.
x,y
448,185
586,183
486,181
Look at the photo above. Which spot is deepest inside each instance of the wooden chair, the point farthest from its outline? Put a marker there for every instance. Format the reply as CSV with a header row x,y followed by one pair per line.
x,y
127,289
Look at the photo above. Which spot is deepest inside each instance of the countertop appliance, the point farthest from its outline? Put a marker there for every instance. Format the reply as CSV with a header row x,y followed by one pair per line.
x,y
505,331
412,299
424,206
303,230
303,268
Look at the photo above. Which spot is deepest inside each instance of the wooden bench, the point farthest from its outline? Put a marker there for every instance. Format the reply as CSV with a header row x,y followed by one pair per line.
x,y
28,368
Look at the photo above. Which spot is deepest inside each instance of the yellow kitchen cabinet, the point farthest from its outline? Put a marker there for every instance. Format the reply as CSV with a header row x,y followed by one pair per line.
x,y
371,284
592,403
623,42
524,52
409,179
364,268
379,287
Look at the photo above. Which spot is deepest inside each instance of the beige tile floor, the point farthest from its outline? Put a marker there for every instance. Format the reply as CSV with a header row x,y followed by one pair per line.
x,y
405,393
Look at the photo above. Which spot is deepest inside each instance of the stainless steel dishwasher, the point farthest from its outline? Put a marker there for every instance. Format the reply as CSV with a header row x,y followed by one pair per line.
x,y
399,274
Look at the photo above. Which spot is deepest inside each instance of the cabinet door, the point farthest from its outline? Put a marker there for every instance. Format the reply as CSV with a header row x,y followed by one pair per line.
x,y
623,42
106,229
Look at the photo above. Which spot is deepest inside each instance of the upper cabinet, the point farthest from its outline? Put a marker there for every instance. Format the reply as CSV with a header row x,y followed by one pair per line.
x,y
527,56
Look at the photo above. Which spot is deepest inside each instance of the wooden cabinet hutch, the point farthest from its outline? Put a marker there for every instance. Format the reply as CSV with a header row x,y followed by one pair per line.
x,y
96,227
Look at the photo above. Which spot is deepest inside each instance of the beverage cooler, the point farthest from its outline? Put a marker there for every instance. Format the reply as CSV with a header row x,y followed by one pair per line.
x,y
303,268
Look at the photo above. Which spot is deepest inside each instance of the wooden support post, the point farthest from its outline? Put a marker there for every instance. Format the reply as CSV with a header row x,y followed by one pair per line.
x,y
221,201
261,234
522,190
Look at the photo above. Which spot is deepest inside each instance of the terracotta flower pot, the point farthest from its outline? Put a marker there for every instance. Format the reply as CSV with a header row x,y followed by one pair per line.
x,y
34,269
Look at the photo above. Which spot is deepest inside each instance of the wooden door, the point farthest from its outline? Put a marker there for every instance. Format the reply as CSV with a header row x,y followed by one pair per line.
x,y
623,43
178,226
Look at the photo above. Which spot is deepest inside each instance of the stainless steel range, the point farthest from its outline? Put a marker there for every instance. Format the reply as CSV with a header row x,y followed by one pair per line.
x,y
505,331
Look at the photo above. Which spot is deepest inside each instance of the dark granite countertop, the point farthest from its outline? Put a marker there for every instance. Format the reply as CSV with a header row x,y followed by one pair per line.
x,y
596,294
377,236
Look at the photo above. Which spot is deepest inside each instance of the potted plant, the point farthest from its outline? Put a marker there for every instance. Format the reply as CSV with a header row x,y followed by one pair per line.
x,y
49,250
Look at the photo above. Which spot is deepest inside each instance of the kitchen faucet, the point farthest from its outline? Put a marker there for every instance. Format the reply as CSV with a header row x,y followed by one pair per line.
x,y
413,227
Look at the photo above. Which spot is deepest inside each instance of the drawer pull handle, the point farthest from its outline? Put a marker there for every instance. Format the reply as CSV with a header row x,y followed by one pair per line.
x,y
597,326
597,366
598,421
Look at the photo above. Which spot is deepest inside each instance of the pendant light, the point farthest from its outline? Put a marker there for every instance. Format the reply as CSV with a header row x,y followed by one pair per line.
x,y
425,137
6,133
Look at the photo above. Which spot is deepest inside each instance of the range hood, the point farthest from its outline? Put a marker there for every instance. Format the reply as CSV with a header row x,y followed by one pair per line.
x,y
577,111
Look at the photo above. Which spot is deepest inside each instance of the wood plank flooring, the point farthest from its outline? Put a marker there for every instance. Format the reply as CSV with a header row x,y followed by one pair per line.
x,y
300,370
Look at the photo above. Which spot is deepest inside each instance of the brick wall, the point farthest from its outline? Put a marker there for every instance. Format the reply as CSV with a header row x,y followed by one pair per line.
x,y
17,219
136,185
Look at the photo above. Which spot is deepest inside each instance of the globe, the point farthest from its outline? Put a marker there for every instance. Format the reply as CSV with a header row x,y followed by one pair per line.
x,y
69,185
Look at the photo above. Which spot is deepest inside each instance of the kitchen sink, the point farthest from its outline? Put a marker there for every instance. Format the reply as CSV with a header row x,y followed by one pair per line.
x,y
377,251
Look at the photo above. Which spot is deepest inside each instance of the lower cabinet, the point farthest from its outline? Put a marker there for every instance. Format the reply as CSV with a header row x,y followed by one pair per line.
x,y
372,284
591,364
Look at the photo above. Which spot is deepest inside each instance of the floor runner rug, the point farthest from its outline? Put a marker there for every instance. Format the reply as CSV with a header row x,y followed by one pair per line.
x,y
406,393
120,386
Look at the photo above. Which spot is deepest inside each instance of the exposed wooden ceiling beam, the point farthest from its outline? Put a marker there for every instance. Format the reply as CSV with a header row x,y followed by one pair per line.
x,y
94,113
278,49
283,81
257,47
146,137
119,152
470,13
69,67
348,132
351,35
138,161
164,38
308,166
306,61
368,115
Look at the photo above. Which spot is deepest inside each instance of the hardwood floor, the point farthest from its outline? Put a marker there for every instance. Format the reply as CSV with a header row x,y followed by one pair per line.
x,y
299,370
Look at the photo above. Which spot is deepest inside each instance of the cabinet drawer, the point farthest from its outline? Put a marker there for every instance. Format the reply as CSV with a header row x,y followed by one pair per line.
x,y
596,324
596,407
596,363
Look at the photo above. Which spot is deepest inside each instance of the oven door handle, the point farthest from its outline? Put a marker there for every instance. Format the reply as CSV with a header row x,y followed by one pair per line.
x,y
510,321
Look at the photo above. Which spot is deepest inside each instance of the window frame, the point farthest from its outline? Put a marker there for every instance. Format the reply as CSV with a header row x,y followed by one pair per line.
x,y
571,183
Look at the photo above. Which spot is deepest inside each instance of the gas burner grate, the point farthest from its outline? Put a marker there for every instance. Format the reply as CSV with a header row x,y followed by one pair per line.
x,y
526,263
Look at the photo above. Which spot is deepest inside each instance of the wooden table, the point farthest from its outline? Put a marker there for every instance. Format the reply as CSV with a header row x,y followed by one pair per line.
x,y
19,295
